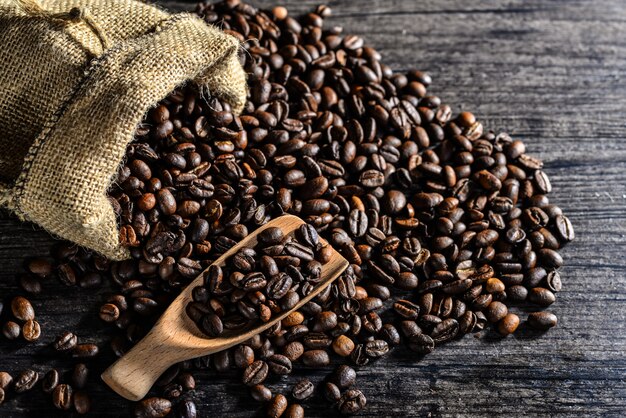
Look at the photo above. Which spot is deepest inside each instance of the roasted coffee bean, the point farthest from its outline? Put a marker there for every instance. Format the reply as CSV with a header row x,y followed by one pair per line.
x,y
153,408
421,343
294,411
62,397
50,381
303,390
255,373
22,309
31,331
553,281
79,376
508,324
541,296
82,402
25,381
542,320
65,342
85,351
343,345
445,331
344,376
496,311
351,402
11,330
315,358
406,309
5,380
261,393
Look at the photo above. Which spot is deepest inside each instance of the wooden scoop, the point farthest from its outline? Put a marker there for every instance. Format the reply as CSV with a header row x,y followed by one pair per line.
x,y
175,337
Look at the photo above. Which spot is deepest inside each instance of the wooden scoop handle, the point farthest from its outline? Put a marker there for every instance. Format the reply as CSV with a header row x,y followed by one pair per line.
x,y
133,375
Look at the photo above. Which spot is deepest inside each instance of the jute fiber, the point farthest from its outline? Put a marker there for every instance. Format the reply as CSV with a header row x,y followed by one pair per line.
x,y
76,79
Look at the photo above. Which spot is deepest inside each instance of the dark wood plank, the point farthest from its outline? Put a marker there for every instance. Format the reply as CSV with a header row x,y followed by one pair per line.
x,y
550,73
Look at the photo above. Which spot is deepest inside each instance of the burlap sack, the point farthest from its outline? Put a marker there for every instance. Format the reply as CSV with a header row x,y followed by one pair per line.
x,y
76,78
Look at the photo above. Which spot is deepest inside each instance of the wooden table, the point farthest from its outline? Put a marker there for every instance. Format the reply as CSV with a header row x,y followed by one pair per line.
x,y
550,73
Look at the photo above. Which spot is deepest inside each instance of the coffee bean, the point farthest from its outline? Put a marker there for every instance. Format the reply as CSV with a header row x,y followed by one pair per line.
x,y
553,281
79,376
153,408
261,393
5,380
496,311
11,330
25,381
344,376
85,351
315,358
294,411
22,309
50,381
31,331
421,343
343,346
82,402
65,342
303,390
541,296
508,324
351,402
277,406
406,309
542,320
255,373
445,331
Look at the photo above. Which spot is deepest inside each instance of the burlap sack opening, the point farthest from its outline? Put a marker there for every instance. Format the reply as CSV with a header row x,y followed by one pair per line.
x,y
77,78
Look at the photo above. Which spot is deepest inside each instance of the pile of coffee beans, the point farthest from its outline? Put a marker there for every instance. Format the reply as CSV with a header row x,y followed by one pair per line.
x,y
23,312
444,223
259,281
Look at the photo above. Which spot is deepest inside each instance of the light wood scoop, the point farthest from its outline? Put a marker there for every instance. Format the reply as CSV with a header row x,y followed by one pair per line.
x,y
175,337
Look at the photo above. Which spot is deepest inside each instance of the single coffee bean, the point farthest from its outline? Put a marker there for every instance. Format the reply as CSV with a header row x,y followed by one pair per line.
x,y
294,411
187,409
277,406
343,345
421,343
261,393
22,309
82,402
153,408
315,358
79,376
109,312
5,380
11,330
351,402
50,381
85,351
508,324
65,342
541,296
303,390
255,373
25,381
31,331
344,376
542,320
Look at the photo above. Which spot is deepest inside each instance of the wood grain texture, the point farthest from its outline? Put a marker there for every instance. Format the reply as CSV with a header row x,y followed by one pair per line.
x,y
550,73
175,337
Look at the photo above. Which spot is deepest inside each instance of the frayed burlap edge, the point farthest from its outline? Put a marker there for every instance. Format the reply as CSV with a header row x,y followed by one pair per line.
x,y
118,89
